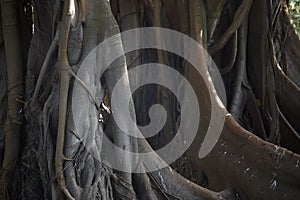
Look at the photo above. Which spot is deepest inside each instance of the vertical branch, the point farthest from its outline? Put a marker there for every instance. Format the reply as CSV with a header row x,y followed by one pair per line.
x,y
12,43
65,76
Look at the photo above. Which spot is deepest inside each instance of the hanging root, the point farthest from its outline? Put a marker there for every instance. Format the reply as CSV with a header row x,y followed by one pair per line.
x,y
45,65
63,97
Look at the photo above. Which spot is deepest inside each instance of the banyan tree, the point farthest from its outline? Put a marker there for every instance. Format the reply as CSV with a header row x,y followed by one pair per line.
x,y
51,143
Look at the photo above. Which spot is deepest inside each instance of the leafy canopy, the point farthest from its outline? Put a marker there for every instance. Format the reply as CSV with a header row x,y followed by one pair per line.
x,y
294,10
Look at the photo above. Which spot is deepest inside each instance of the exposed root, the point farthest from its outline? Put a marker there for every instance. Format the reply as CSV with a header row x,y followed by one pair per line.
x,y
239,17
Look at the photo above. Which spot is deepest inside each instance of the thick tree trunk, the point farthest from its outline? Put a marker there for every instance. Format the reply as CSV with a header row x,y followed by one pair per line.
x,y
15,90
252,43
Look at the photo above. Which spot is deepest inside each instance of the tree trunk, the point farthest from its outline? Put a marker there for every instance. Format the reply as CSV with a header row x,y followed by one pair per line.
x,y
61,150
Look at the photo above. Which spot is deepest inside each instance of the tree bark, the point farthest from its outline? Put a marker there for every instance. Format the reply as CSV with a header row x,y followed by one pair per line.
x,y
251,41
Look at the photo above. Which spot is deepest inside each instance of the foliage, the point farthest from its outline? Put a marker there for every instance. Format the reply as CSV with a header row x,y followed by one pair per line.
x,y
294,10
